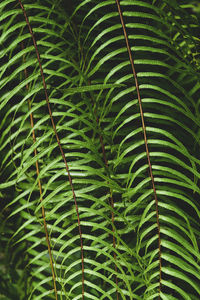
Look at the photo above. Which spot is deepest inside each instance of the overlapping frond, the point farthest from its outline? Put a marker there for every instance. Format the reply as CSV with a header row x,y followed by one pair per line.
x,y
95,108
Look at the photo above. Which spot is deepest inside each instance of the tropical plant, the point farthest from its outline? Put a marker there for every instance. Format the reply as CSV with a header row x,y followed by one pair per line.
x,y
100,137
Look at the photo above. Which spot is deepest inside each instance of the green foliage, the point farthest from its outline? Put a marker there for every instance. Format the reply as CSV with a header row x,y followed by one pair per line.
x,y
95,108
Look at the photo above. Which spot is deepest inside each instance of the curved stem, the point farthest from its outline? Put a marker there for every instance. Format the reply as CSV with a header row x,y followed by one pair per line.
x,y
40,187
57,138
145,140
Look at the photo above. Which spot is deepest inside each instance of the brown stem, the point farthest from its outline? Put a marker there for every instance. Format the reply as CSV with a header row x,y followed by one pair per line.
x,y
40,185
145,140
111,196
57,138
112,205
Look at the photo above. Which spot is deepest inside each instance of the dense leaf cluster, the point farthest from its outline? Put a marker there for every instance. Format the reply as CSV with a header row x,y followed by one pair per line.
x,y
94,103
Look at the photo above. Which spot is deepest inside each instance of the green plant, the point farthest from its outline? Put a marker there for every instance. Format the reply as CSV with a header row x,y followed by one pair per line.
x,y
99,159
